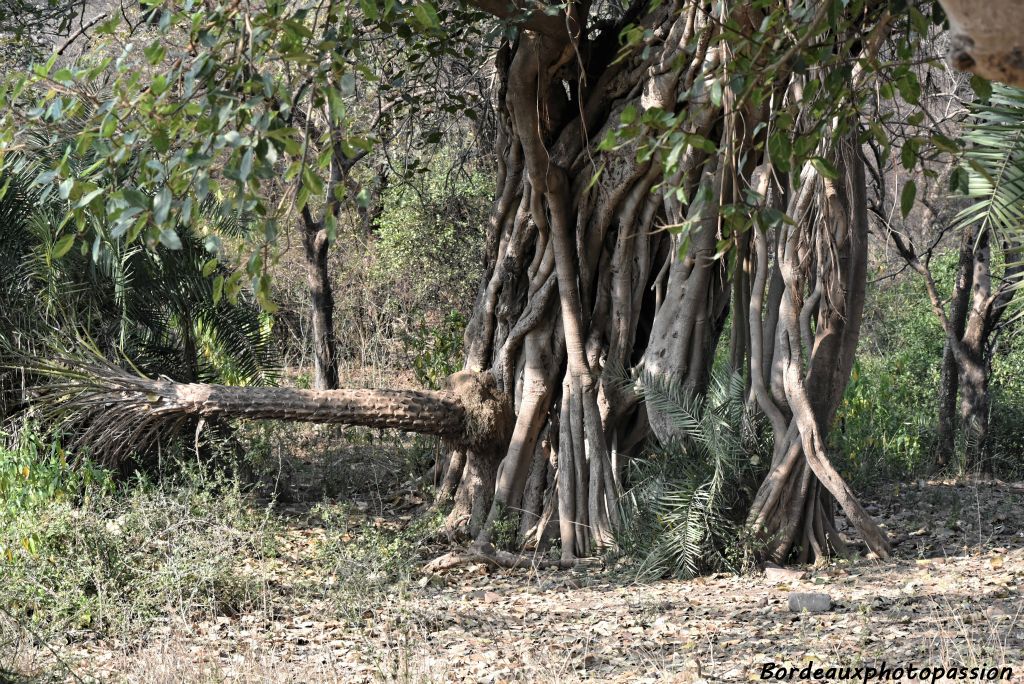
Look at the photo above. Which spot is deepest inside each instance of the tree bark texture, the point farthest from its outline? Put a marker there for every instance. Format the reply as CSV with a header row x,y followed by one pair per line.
x,y
119,412
949,380
822,260
325,363
970,326
987,38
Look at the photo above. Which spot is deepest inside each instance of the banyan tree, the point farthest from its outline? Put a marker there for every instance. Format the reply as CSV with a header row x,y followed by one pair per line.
x,y
678,182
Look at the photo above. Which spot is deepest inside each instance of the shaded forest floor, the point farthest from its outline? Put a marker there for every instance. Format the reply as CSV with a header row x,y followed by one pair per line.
x,y
951,596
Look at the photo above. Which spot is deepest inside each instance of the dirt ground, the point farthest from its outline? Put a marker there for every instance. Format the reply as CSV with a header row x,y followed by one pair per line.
x,y
951,596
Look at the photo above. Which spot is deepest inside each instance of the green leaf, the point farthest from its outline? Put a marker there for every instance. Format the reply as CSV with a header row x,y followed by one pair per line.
x,y
824,167
162,207
780,149
369,8
426,15
154,52
701,143
63,246
159,85
135,198
245,168
945,144
331,225
918,20
88,197
910,87
907,197
170,239
311,181
218,289
908,153
336,105
209,267
161,141
262,287
958,180
716,93
982,87
108,126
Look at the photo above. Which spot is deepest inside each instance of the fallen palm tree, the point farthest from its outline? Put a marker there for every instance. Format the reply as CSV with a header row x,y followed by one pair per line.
x,y
112,412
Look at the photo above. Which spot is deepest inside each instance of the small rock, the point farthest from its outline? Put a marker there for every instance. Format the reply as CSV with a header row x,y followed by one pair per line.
x,y
811,602
997,610
431,580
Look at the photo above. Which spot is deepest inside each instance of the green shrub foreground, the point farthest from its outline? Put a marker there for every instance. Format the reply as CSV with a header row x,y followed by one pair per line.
x,y
79,553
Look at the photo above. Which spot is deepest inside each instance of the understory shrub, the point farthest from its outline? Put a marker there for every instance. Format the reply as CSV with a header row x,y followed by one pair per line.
x,y
436,350
885,428
364,559
411,262
84,556
683,513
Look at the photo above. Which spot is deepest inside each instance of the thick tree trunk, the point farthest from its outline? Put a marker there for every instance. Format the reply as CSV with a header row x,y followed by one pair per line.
x,y
987,38
822,260
970,345
628,298
974,412
620,286
434,413
122,412
949,381
325,362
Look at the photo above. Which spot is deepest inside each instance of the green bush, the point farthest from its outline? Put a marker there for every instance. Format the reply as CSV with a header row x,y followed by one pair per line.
x,y
885,427
35,473
1007,423
113,562
429,236
365,559
436,351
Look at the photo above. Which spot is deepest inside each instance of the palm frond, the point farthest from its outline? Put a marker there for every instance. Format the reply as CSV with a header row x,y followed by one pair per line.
x,y
994,163
994,160
682,513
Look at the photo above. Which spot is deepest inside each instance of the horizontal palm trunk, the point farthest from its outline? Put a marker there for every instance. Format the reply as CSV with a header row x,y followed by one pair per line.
x,y
114,412
432,413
